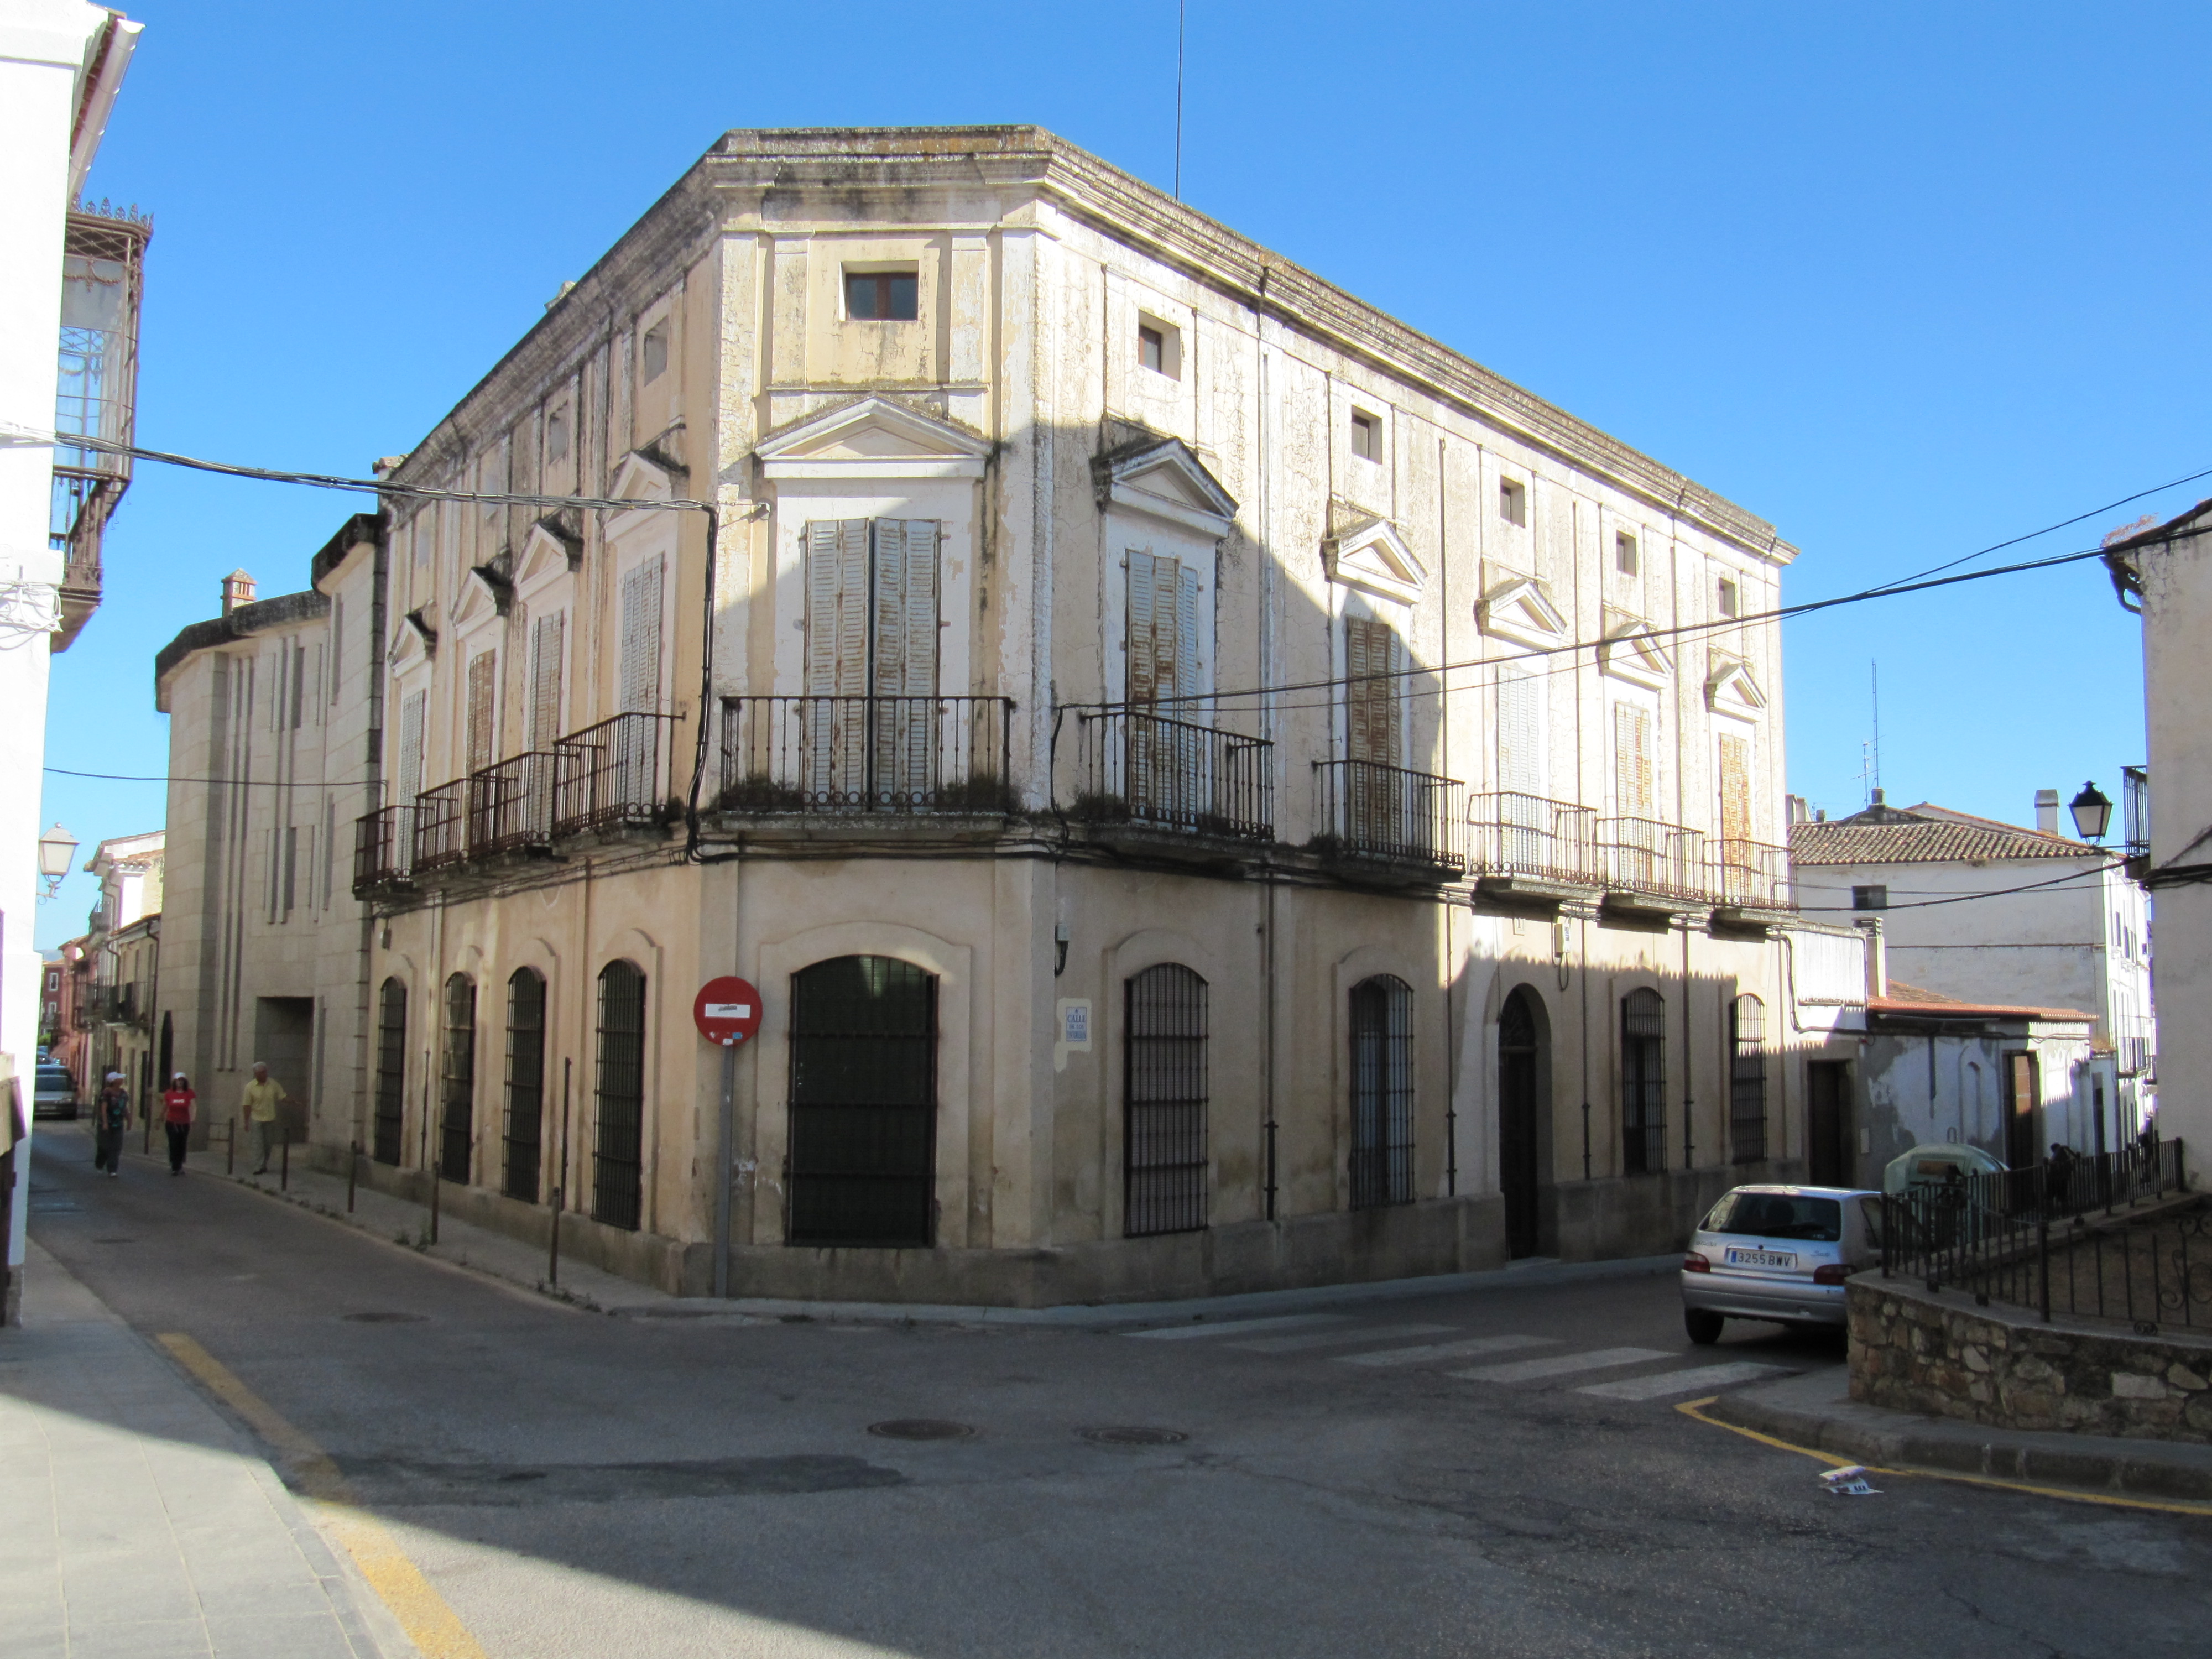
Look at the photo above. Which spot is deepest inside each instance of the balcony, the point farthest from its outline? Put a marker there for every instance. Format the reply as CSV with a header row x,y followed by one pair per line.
x,y
1753,878
384,850
1385,820
1651,866
441,823
103,260
1169,780
866,757
510,806
609,776
1528,846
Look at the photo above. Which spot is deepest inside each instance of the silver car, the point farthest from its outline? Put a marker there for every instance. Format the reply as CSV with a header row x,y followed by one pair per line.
x,y
54,1092
1777,1253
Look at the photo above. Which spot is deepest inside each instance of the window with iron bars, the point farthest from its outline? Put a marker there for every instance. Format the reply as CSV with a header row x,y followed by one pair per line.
x,y
1164,1084
390,1071
1643,1083
618,1163
1747,1079
1382,1092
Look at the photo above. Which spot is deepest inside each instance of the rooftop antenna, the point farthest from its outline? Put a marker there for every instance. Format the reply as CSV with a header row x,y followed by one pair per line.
x,y
1873,674
1182,6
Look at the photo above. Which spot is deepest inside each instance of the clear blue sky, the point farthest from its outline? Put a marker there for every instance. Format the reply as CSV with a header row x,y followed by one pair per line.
x,y
1904,279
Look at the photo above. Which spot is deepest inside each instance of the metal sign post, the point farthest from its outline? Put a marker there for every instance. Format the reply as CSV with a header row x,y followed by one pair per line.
x,y
727,1012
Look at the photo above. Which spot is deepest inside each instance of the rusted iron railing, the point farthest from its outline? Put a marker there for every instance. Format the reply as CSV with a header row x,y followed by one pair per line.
x,y
1386,812
1133,767
866,754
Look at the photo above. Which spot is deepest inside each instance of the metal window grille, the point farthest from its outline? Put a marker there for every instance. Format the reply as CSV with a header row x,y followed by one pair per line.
x,y
863,1103
390,1071
1643,1083
618,1161
1747,1079
1520,1147
458,1085
1163,1092
525,1084
1382,1092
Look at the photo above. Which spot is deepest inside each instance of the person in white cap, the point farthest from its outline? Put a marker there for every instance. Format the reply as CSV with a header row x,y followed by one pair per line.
x,y
111,1116
258,1108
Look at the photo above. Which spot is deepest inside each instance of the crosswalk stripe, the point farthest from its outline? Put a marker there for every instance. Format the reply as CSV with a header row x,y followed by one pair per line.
x,y
1562,1365
1690,1382
1432,1351
1239,1326
1337,1339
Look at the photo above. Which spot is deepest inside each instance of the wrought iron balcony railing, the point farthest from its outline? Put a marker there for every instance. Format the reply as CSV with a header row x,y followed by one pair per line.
x,y
511,805
383,849
609,775
1642,855
441,825
842,755
1751,875
1137,768
1388,813
1527,836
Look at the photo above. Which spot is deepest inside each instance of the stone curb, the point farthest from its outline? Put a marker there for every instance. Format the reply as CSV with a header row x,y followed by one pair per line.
x,y
1807,1412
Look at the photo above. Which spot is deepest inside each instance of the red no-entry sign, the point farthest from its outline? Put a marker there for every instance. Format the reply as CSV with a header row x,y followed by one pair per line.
x,y
727,1011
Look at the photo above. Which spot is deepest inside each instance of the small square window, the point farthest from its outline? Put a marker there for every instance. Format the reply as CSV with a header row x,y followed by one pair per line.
x,y
1152,349
1623,553
653,354
1366,436
1727,598
1159,346
556,435
882,296
1869,898
1513,502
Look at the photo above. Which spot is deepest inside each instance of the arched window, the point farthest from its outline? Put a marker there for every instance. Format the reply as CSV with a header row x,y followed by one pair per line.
x,y
1382,1092
458,1081
1163,1089
390,1071
1643,1083
618,1160
862,1102
525,1084
1521,1111
1747,1079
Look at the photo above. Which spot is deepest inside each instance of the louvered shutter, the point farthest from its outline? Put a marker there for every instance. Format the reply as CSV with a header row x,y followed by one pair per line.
x,y
1520,768
1144,586
412,713
1633,790
904,666
1189,655
482,685
1735,789
548,644
640,638
1373,732
834,734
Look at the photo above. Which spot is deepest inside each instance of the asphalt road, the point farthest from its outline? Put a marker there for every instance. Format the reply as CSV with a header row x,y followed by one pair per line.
x,y
575,1484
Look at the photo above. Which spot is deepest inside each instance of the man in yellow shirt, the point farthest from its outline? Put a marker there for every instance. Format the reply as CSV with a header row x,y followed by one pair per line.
x,y
258,1108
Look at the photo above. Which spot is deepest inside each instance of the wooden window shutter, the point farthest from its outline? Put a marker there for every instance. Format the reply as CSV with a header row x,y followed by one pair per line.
x,y
484,681
1634,790
412,713
1373,731
1189,650
1736,788
1520,768
836,608
641,639
905,637
549,640
1144,675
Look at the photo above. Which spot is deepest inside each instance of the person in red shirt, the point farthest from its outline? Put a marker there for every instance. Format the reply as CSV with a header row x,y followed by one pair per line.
x,y
177,1100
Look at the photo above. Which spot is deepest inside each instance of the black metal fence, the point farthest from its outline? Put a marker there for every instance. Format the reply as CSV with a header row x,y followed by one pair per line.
x,y
609,775
1138,767
1377,812
1523,835
441,825
865,755
1642,855
1753,875
2065,1236
383,849
511,805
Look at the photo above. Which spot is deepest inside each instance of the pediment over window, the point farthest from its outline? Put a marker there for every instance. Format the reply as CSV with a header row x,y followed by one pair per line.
x,y
642,476
1730,689
1161,477
550,551
1371,555
485,595
1630,651
873,438
417,641
1521,608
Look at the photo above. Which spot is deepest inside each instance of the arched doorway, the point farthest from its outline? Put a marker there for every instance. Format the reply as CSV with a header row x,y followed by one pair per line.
x,y
1519,1107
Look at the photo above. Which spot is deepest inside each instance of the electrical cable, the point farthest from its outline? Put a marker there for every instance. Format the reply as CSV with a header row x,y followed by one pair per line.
x,y
1962,898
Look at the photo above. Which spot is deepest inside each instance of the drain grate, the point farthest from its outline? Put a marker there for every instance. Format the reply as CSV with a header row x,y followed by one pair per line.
x,y
921,1428
380,1318
1133,1435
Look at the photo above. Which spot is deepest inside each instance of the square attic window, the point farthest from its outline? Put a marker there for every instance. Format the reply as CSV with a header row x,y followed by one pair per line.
x,y
882,296
1728,601
1513,502
1623,553
653,351
1869,898
1366,436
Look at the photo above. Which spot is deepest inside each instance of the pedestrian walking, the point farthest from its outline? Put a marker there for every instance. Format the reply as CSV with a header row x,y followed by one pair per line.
x,y
111,1116
258,1108
177,1101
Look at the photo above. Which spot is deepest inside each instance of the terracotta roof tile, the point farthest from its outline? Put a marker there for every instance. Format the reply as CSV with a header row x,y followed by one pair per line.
x,y
1926,834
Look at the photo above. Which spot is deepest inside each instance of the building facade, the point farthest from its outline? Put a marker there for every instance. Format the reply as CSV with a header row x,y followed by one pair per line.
x,y
1990,913
1213,790
115,1008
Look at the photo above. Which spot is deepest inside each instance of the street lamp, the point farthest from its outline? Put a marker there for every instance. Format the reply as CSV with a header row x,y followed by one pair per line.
x,y
2092,812
56,847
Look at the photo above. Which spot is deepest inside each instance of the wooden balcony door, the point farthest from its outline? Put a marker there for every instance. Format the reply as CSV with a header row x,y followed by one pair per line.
x,y
871,633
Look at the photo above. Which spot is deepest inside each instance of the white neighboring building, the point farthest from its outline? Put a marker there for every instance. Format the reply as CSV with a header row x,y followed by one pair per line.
x,y
61,63
2077,937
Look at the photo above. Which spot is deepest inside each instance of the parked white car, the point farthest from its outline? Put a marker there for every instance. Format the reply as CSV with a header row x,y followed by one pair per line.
x,y
1780,1253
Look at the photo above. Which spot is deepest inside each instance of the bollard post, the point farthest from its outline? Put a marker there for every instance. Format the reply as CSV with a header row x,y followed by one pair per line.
x,y
437,1181
353,1172
553,1256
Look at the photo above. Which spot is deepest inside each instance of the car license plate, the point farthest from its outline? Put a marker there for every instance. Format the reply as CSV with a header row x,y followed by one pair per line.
x,y
1760,1259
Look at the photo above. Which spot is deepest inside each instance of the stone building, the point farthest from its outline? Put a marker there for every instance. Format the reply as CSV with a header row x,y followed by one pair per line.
x,y
1214,790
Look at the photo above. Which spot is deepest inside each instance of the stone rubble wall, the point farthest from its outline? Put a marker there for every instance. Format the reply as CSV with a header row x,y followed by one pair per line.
x,y
1942,1355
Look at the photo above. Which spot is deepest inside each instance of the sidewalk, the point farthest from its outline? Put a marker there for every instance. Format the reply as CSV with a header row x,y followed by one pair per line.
x,y
1817,1412
139,1523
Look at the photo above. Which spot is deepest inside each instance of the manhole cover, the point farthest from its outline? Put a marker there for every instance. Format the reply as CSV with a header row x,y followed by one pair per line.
x,y
385,1318
921,1428
1134,1436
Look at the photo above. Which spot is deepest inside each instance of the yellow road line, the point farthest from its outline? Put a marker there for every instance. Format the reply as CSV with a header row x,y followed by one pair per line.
x,y
429,1621
1696,1408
